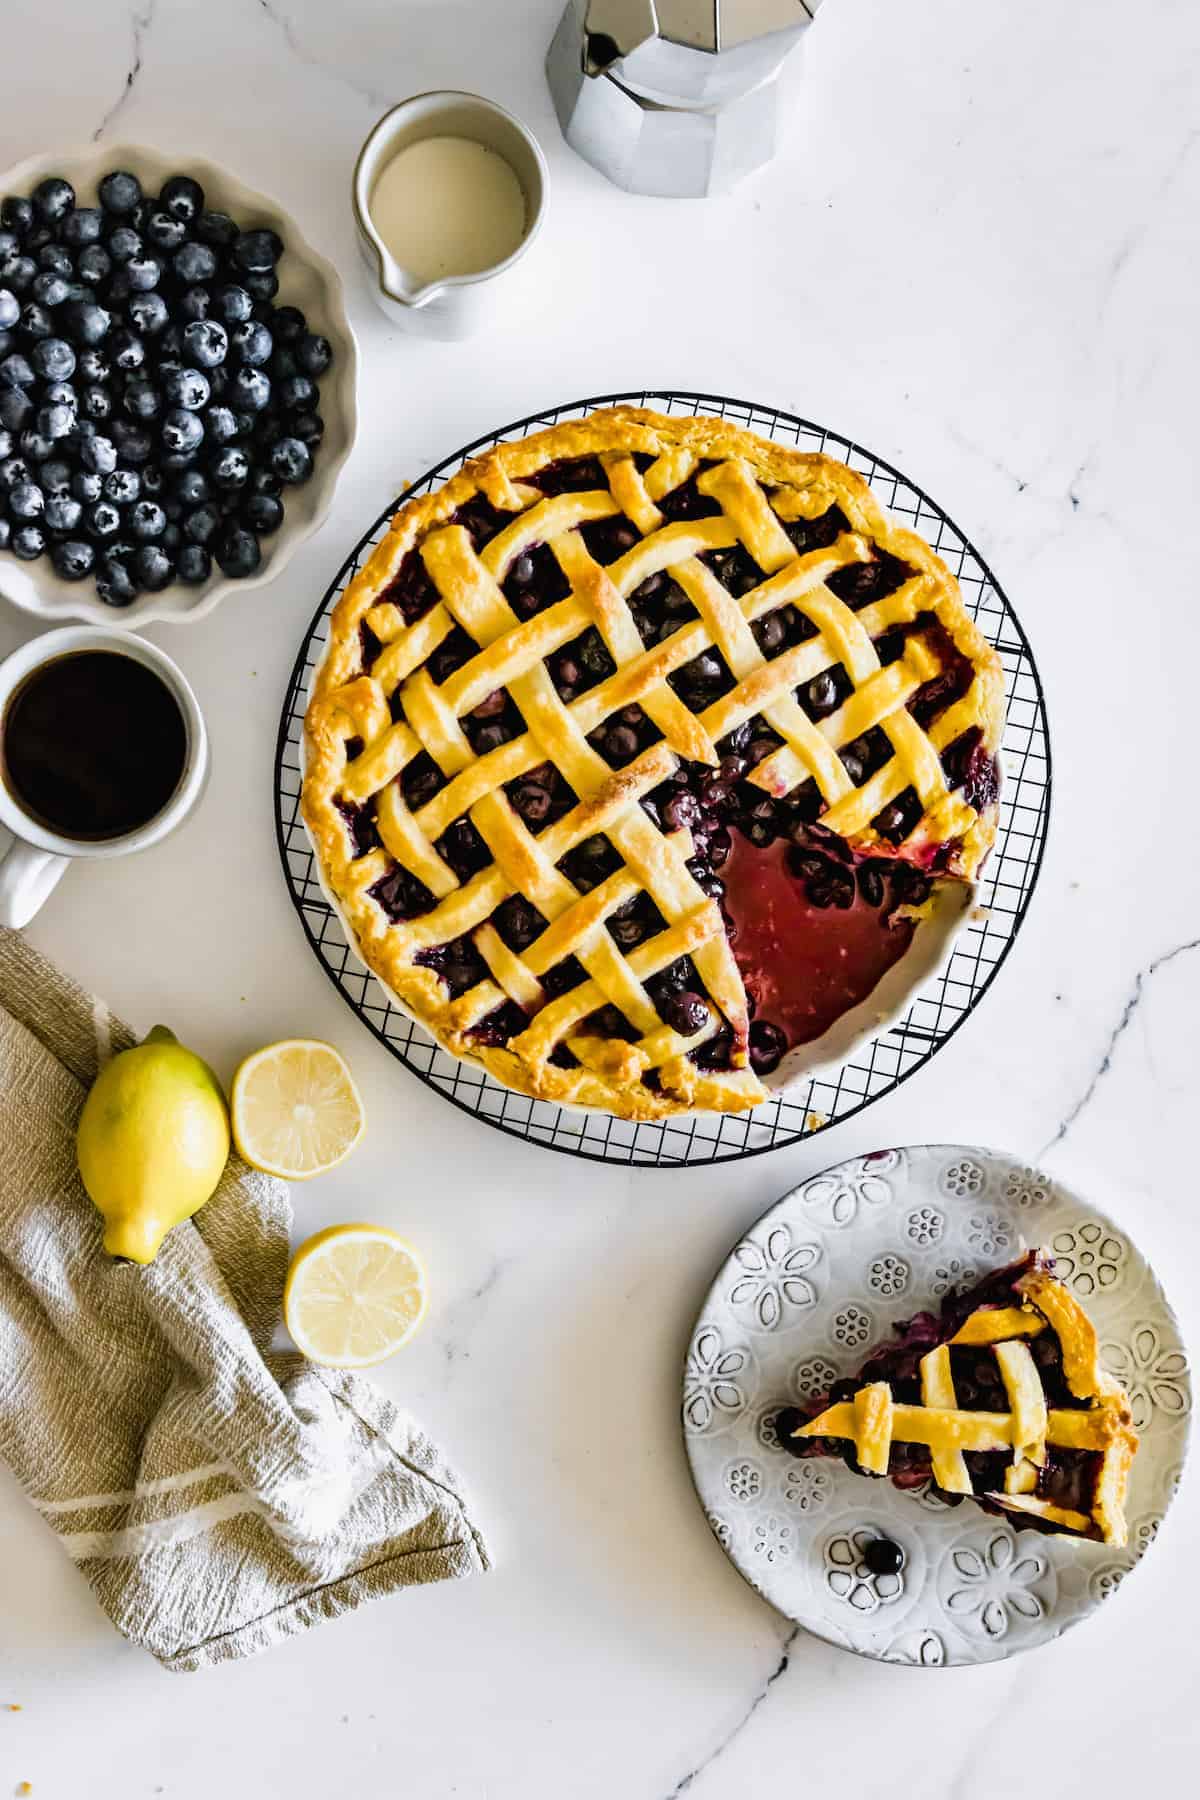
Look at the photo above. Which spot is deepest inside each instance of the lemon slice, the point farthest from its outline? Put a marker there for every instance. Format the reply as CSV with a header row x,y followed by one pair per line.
x,y
295,1109
354,1294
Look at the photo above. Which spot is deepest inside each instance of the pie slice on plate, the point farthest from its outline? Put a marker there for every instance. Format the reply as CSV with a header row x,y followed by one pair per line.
x,y
1002,1399
637,752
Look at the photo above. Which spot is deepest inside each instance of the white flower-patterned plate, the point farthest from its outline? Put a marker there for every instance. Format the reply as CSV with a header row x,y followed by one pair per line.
x,y
820,1278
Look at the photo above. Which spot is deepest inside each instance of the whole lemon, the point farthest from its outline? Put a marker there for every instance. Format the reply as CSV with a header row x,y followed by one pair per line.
x,y
153,1140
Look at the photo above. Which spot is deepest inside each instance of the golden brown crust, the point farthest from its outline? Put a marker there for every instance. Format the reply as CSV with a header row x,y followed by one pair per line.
x,y
759,485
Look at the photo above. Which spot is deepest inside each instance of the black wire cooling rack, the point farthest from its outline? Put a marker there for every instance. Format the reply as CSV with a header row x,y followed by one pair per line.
x,y
832,1094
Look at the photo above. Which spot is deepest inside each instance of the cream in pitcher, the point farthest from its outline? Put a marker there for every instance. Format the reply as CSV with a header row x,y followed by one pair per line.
x,y
448,206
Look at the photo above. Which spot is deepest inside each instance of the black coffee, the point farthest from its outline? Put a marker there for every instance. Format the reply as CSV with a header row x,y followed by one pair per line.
x,y
94,744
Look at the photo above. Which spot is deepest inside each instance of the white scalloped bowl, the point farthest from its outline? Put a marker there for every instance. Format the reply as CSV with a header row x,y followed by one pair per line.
x,y
307,280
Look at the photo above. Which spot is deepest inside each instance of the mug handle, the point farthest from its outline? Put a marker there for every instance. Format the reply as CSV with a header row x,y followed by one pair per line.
x,y
27,878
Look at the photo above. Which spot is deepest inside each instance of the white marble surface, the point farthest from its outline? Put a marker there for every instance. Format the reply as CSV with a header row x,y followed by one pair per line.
x,y
977,252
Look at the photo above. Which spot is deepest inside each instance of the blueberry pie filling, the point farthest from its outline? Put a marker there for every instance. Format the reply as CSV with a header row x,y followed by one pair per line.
x,y
1000,1398
638,754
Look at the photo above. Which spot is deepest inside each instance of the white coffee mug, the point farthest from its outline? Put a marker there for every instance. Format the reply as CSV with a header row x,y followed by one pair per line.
x,y
38,857
455,305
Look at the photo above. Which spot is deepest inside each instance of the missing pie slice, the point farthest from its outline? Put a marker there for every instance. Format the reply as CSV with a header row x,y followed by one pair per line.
x,y
1002,1398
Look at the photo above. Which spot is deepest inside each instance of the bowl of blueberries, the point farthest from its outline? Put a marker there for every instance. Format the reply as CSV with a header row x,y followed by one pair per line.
x,y
177,386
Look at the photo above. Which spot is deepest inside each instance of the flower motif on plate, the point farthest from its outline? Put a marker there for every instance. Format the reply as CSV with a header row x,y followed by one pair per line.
x,y
1087,1257
807,1485
888,1276
996,1586
925,1225
953,1273
852,1326
861,1183
848,1577
963,1179
744,1481
772,1539
813,1378
990,1234
1153,1374
712,1391
1027,1188
771,1277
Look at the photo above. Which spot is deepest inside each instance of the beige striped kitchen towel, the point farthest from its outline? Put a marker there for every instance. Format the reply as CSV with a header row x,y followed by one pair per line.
x,y
218,1495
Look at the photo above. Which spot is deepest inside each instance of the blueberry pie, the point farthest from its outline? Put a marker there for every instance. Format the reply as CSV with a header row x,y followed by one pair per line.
x,y
1002,1398
637,753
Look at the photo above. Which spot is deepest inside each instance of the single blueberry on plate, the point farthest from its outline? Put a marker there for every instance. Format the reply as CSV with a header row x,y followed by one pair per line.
x,y
252,342
100,453
288,324
189,388
16,371
292,462
257,251
114,584
314,354
15,408
143,273
95,366
10,308
165,232
298,393
263,513
85,323
152,480
216,228
133,441
309,428
55,422
28,542
182,431
94,265
53,359
19,273
194,303
142,399
103,520
83,226
183,197
148,314
202,524
87,486
55,476
154,568
238,553
120,192
63,514
37,445
127,350
73,559
53,198
6,532
195,564
13,471
230,468
147,519
192,488
205,342
194,263
262,285
122,487
124,245
16,215
26,500
55,259
35,317
220,425
251,390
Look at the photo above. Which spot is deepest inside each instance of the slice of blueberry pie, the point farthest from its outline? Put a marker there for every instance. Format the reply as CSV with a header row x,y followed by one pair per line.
x,y
637,752
1002,1398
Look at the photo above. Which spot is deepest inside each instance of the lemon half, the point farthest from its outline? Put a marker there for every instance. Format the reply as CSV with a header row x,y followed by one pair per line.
x,y
295,1109
354,1294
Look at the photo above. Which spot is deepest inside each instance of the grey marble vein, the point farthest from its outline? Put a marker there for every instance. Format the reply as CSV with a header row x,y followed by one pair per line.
x,y
1119,1030
373,96
140,21
785,1654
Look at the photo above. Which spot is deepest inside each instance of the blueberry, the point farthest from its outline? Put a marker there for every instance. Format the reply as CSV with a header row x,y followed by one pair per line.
x,y
314,354
16,371
13,471
298,394
195,263
309,428
73,559
192,488
122,487
234,304
55,476
263,514
16,215
170,346
8,343
114,584
37,445
94,366
187,388
19,273
120,192
183,198
53,198
147,519
288,324
155,570
127,350
15,408
96,404
292,462
10,308
164,231
6,444
257,250
230,469
63,513
171,540
152,481
35,320
26,500
262,285
124,244
148,314
202,524
143,273
220,426
238,553
284,364
252,342
53,359
246,422
85,323
266,481
49,290
99,454
194,303
6,532
251,390
195,564
686,1012
28,542
95,265
103,520
87,486
216,228
142,399
205,343
10,244
55,422
182,431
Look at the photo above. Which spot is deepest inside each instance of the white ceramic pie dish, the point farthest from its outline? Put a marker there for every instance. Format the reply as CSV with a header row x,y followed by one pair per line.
x,y
307,280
